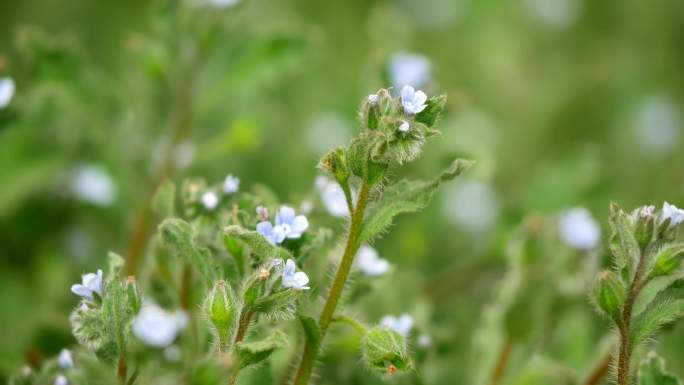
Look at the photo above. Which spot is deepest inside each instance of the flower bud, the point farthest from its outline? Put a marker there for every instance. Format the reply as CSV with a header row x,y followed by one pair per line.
x,y
643,219
385,351
370,112
132,294
667,260
609,294
335,163
221,310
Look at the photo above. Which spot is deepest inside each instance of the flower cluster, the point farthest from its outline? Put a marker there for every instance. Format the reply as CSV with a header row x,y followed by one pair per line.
x,y
287,226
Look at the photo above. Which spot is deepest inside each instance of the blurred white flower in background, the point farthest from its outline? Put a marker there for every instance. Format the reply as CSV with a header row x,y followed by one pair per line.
x,y
306,207
472,204
223,3
555,13
184,154
210,200
578,229
368,261
413,101
7,88
402,324
657,126
173,353
671,212
90,283
65,360
61,380
231,184
409,69
93,184
332,196
294,279
425,341
327,130
157,327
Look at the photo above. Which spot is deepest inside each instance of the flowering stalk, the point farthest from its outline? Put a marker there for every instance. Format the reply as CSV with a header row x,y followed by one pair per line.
x,y
352,246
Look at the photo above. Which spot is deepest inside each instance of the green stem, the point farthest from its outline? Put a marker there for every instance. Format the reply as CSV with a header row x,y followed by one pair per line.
x,y
348,196
625,351
122,369
351,322
311,348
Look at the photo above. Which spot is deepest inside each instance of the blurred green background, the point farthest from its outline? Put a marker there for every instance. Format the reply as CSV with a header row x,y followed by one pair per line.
x,y
562,103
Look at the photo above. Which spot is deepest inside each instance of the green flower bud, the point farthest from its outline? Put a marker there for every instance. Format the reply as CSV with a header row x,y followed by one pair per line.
x,y
643,219
335,163
434,109
221,309
385,351
667,260
370,112
132,294
609,294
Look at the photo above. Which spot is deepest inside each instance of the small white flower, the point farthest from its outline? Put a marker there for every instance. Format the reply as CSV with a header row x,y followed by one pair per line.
x,y
578,229
368,261
231,184
373,98
210,200
93,184
274,234
332,197
293,225
65,360
91,283
84,307
294,279
676,215
413,101
184,154
157,327
7,88
424,341
61,380
409,69
401,324
404,126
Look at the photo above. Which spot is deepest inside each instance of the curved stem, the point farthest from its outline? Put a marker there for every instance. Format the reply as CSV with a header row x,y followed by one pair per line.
x,y
311,348
351,322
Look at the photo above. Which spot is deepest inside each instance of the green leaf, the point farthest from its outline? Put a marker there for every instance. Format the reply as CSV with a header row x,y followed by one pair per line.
x,y
666,307
311,331
251,353
385,351
404,197
435,107
279,305
163,202
180,236
259,245
652,372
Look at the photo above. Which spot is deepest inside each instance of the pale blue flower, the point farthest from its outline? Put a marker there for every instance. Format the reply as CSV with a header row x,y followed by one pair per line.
x,y
409,69
368,261
157,327
91,283
231,184
274,234
676,215
224,3
332,196
578,229
210,200
293,225
294,279
65,360
7,88
413,101
401,324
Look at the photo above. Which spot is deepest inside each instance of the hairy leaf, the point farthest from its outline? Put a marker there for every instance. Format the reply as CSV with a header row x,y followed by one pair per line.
x,y
259,245
666,306
251,353
652,372
180,236
404,197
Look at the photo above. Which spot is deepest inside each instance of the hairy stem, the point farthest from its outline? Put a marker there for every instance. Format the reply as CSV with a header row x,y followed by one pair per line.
x,y
311,348
351,322
625,351
122,369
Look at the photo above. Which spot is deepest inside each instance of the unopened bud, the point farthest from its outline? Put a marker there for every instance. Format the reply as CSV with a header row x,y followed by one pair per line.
x,y
609,293
644,220
385,351
221,310
667,260
335,163
132,294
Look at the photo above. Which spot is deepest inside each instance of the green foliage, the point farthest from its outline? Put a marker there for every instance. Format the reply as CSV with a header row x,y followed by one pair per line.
x,y
180,236
652,372
260,247
221,309
404,197
253,353
610,295
385,351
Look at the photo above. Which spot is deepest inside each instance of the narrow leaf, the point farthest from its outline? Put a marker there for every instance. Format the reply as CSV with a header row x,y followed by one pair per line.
x,y
180,236
313,334
251,353
405,197
666,307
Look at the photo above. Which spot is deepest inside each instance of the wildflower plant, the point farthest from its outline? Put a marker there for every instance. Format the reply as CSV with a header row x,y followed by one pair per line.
x,y
642,291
